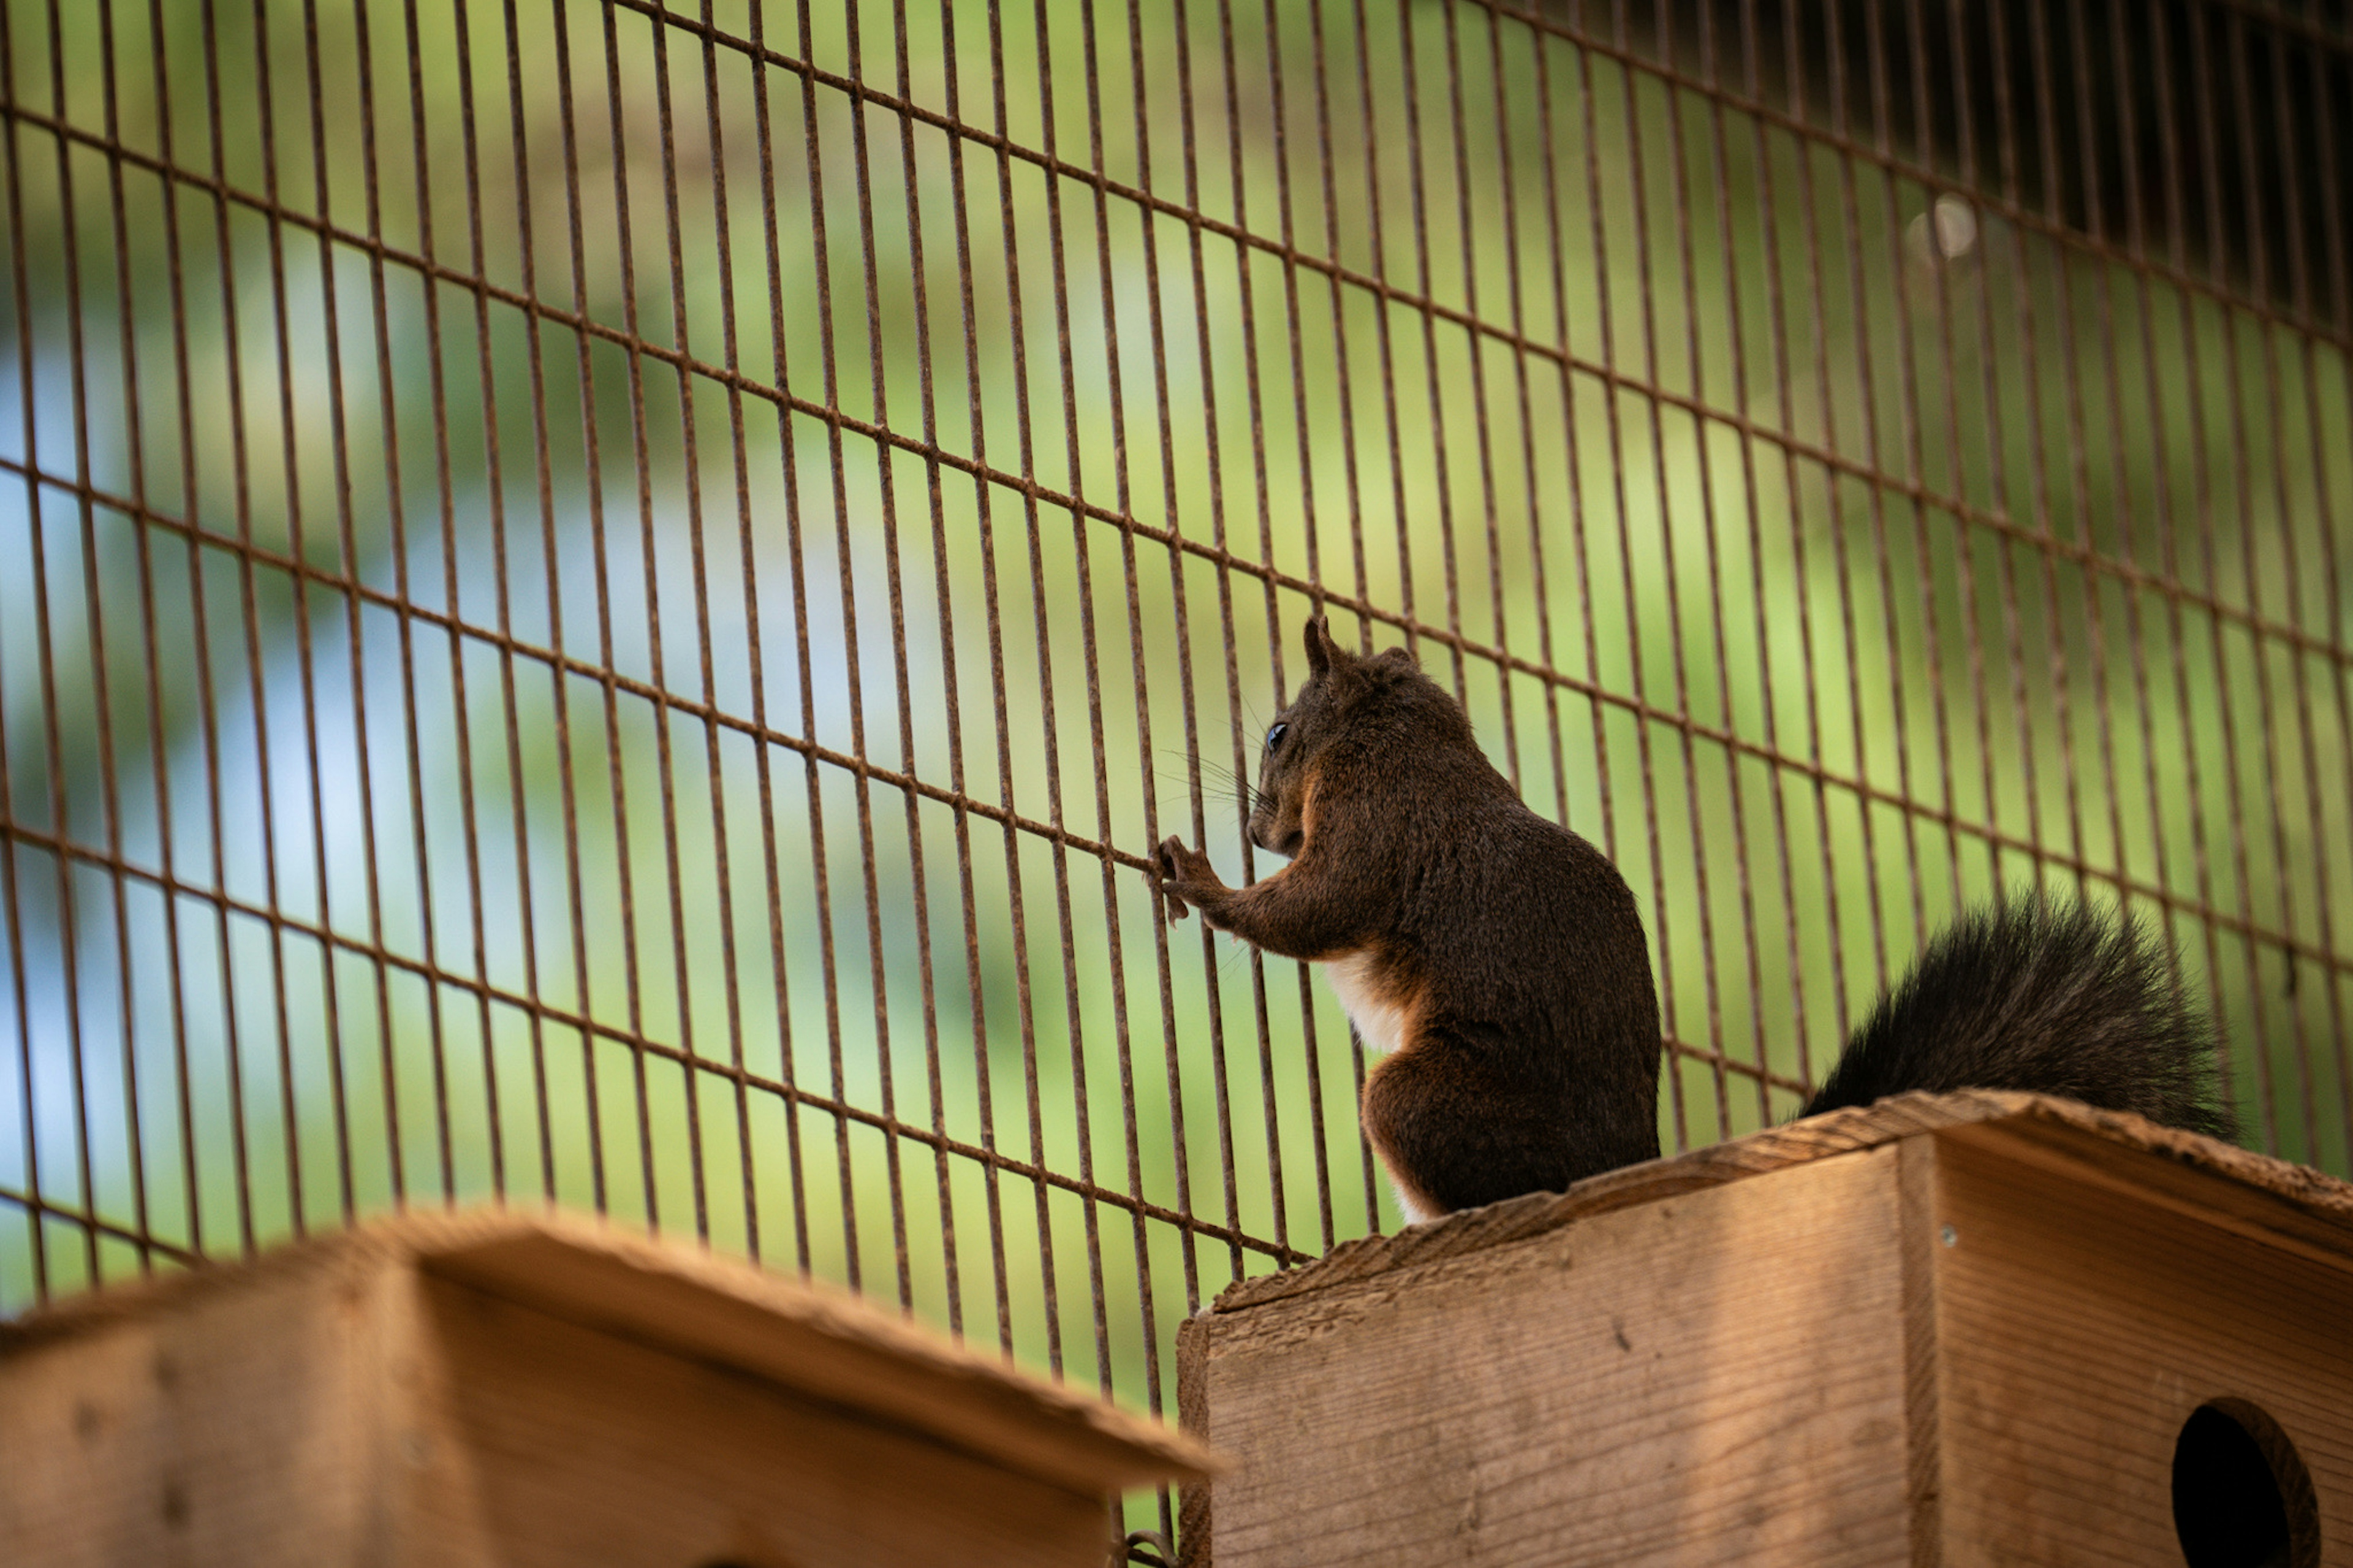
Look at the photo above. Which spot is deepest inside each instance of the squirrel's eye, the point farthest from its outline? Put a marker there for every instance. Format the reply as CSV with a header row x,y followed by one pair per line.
x,y
1274,736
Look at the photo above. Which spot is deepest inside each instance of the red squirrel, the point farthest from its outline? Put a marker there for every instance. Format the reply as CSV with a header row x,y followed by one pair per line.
x,y
1498,962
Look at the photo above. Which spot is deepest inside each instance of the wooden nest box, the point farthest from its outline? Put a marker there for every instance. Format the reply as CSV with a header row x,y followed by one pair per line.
x,y
1968,1329
494,1387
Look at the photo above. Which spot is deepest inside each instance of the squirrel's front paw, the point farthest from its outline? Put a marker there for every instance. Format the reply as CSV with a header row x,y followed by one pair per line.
x,y
1184,875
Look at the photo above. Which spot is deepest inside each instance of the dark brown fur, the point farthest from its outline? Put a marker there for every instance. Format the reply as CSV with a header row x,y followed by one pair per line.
x,y
1527,1055
1530,1054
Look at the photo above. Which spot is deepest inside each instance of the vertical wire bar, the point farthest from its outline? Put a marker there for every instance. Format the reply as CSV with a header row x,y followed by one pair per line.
x,y
1311,1040
1752,502
2301,286
2136,241
1515,292
200,632
347,537
862,161
2252,180
2176,226
1235,704
495,522
1702,898
2209,159
297,547
2013,625
431,289
1377,238
1122,1037
413,734
27,404
1912,446
850,629
1328,162
723,229
1425,284
1661,943
1964,550
1025,431
2086,531
135,458
1245,296
796,582
544,474
779,970
820,247
934,499
984,1089
1459,134
70,914
1146,1296
331,311
2333,238
592,486
1784,373
2046,548
1075,459
1851,226
691,467
69,908
1345,381
1172,1061
935,502
1215,483
1516,289
166,836
1246,281
640,459
1573,460
1603,312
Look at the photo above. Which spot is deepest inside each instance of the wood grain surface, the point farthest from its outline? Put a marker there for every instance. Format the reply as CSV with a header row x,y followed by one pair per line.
x,y
2298,1204
1717,1376
1958,1330
2080,1324
496,1387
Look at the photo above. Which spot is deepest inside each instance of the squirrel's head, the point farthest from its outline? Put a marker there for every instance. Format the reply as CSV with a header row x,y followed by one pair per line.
x,y
1381,701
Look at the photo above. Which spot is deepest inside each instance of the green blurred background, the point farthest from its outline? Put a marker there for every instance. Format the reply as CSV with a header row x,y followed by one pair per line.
x,y
581,598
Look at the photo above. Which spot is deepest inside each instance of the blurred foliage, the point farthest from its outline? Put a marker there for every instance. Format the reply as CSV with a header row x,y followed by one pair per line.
x,y
554,548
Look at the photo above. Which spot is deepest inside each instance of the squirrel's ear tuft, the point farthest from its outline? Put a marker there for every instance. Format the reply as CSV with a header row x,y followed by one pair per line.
x,y
1322,653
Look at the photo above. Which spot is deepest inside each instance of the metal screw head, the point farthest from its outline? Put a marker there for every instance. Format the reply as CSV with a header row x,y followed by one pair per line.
x,y
1949,1236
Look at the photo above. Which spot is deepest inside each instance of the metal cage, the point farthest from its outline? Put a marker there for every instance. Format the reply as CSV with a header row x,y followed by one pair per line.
x,y
601,600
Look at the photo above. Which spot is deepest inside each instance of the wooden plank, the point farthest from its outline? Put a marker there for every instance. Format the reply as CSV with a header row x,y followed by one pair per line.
x,y
1924,1452
1713,1377
586,1446
2081,1323
244,1429
1193,1510
830,1345
2289,1206
823,1342
2295,1203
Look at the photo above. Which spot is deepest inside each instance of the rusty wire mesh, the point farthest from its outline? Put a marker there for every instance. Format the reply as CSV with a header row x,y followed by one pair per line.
x,y
599,600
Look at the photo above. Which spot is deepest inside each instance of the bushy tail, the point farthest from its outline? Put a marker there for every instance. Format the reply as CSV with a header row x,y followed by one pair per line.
x,y
2057,997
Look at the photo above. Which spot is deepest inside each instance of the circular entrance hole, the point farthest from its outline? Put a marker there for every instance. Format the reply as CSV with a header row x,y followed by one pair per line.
x,y
2241,1497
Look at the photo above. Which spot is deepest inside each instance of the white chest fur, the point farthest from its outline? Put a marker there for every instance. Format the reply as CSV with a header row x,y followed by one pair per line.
x,y
1380,1023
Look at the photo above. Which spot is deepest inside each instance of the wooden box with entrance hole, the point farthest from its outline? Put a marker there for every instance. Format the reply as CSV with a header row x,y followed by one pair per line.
x,y
469,1390
1969,1329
